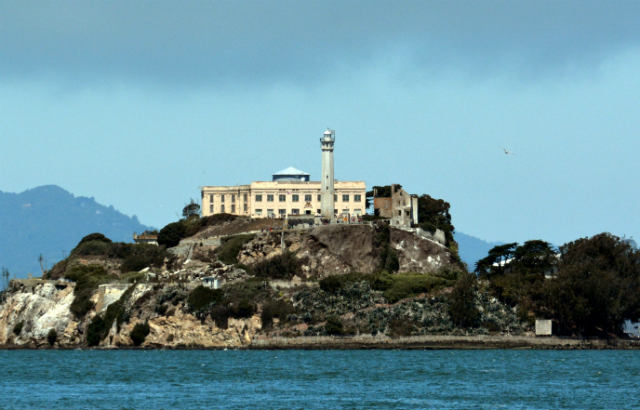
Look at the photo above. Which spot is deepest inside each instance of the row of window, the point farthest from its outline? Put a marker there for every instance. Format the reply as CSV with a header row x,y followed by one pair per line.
x,y
307,198
295,211
245,208
233,198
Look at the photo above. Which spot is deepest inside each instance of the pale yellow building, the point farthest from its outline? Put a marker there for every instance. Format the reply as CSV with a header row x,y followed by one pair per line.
x,y
289,193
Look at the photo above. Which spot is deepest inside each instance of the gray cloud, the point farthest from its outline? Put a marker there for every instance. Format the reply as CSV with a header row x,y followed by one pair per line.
x,y
302,41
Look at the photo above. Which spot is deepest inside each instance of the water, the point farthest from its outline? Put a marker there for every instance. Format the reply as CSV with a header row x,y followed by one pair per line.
x,y
364,379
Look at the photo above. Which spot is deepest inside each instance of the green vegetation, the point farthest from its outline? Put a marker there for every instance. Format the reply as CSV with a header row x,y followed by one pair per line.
x,y
434,214
597,286
202,298
594,282
52,337
172,233
334,326
17,329
100,325
87,278
275,309
462,308
395,287
230,248
284,266
139,333
191,210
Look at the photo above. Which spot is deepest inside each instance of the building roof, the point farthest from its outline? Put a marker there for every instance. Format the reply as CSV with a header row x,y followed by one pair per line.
x,y
290,171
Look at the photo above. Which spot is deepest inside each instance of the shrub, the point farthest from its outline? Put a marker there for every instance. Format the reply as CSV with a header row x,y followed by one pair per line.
x,y
203,297
52,336
92,248
231,246
216,219
411,284
400,327
284,266
96,236
462,308
171,234
244,309
139,333
87,278
334,326
17,329
220,315
96,330
275,308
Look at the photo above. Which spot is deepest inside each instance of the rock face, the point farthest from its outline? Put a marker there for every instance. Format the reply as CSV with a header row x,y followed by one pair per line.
x,y
36,307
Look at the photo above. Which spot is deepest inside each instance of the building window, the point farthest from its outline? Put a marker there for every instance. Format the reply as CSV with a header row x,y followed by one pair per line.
x,y
345,211
318,211
244,197
282,198
357,198
295,211
295,197
335,197
270,213
345,197
258,198
307,198
357,211
282,212
222,208
211,198
233,197
211,208
319,197
307,212
258,212
245,207
233,208
335,212
222,198
399,213
269,197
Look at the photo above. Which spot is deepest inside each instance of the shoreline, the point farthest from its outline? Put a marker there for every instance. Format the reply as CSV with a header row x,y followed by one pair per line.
x,y
368,342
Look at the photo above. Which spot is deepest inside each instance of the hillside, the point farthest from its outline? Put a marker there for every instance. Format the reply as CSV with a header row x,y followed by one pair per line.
x,y
472,249
48,220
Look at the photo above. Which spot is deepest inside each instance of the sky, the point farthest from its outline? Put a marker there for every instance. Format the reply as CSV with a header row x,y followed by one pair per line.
x,y
138,104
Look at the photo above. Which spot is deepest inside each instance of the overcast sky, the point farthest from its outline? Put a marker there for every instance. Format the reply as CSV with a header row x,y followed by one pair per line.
x,y
139,103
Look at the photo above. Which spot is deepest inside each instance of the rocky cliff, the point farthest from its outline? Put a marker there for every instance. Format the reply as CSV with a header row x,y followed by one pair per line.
x,y
218,290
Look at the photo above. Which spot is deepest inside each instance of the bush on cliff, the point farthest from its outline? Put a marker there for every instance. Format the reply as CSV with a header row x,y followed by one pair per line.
x,y
230,248
334,326
284,266
275,309
87,278
52,337
462,309
202,297
139,333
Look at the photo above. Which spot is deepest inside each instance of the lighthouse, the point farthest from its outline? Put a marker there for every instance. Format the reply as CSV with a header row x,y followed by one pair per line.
x,y
327,189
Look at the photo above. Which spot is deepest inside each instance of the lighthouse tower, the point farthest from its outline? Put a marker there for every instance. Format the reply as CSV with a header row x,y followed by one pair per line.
x,y
327,189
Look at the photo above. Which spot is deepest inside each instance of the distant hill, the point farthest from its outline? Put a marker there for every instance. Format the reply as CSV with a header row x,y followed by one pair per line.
x,y
50,221
472,249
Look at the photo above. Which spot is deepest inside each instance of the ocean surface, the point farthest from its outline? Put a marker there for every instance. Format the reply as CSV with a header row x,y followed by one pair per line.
x,y
329,379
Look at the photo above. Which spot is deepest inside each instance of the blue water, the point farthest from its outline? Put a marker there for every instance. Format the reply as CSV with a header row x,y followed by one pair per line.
x,y
364,379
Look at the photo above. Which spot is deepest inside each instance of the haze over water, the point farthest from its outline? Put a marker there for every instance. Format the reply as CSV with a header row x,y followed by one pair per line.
x,y
372,379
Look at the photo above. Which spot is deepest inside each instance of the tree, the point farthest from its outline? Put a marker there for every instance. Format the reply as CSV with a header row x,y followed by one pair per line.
x,y
190,210
462,308
5,278
434,214
171,234
597,286
495,262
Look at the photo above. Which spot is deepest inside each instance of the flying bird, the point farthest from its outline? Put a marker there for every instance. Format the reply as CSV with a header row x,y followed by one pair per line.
x,y
507,152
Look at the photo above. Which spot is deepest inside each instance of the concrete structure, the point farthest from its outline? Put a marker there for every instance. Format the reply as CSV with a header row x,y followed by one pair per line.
x,y
544,327
291,174
290,192
395,203
327,190
276,199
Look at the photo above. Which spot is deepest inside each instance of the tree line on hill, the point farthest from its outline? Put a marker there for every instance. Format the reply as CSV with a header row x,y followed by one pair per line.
x,y
589,287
